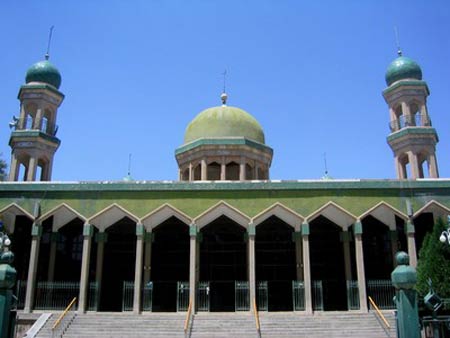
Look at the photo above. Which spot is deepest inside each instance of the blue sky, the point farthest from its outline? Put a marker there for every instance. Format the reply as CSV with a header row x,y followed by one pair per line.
x,y
311,72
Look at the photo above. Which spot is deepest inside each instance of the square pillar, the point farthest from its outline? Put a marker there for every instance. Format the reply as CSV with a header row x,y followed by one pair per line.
x,y
410,231
36,233
358,229
31,169
345,238
306,268
193,233
140,237
204,170
101,238
251,231
88,231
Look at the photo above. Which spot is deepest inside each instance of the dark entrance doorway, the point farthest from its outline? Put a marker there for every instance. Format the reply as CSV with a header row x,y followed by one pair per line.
x,y
423,225
223,260
170,262
378,260
275,262
118,263
69,250
327,262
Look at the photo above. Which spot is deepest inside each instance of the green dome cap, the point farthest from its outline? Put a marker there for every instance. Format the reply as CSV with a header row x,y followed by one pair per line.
x,y
403,68
44,71
222,122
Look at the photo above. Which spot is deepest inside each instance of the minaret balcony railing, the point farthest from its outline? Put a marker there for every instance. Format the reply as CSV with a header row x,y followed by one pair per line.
x,y
28,123
416,120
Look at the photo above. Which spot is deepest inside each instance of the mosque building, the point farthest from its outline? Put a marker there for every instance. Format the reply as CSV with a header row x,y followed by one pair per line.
x,y
224,234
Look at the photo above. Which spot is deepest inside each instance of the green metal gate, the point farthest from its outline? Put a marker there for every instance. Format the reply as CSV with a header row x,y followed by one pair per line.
x,y
182,296
382,292
317,295
352,295
262,295
147,297
203,296
242,295
127,295
298,295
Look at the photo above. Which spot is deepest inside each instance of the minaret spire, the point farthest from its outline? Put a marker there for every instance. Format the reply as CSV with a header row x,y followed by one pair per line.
x,y
224,95
47,55
397,42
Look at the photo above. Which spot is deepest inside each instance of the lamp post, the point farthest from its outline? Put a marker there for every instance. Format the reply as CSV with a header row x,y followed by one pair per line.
x,y
445,235
7,281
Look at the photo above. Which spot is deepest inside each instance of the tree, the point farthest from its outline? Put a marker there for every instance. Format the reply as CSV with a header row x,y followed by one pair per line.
x,y
3,167
434,262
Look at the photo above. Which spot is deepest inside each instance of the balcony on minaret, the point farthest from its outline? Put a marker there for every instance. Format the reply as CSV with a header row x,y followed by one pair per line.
x,y
404,121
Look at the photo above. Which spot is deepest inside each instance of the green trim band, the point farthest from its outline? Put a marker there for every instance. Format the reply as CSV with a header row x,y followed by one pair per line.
x,y
413,131
223,141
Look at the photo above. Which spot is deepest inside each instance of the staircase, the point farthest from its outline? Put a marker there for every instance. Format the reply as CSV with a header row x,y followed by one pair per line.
x,y
223,325
121,325
325,324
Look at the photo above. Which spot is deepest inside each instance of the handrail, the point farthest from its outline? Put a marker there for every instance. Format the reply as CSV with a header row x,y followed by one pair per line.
x,y
383,318
188,318
60,318
255,313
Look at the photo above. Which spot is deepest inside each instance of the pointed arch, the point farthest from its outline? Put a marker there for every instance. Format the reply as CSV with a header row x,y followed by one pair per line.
x,y
110,215
163,213
222,209
279,210
9,214
62,214
334,213
434,207
385,213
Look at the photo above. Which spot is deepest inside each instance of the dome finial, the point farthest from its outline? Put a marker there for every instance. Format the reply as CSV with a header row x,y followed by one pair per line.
x,y
47,55
224,95
397,41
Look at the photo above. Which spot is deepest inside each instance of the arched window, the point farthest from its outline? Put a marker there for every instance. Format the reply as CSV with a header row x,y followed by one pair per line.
x,y
213,171
232,171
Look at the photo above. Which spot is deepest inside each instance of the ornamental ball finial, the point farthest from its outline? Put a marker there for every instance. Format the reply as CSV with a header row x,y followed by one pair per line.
x,y
402,258
224,98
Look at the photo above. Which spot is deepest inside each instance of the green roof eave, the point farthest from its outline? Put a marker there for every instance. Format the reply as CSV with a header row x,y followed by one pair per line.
x,y
34,133
413,131
417,83
223,141
134,186
40,86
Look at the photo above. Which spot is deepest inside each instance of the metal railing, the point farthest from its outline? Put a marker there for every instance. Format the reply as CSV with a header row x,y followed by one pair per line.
x,y
28,123
317,294
21,290
298,295
242,295
64,320
382,292
127,296
379,313
183,300
203,291
438,326
55,295
352,295
416,120
262,292
188,321
93,296
256,314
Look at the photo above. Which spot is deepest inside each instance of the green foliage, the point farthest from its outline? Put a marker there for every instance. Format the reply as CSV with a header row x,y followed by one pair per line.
x,y
3,167
434,263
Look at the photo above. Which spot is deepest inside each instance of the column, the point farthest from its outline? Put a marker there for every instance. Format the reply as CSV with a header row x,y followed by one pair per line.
x,y
37,119
394,245
204,170
399,168
360,266
14,169
298,252
242,170
51,262
88,231
406,114
31,170
22,117
49,169
36,233
345,237
193,232
432,166
148,257
140,234
102,237
223,170
413,165
191,173
306,268
410,230
251,231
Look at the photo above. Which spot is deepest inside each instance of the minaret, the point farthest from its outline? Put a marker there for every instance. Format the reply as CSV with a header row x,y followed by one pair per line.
x,y
33,141
412,138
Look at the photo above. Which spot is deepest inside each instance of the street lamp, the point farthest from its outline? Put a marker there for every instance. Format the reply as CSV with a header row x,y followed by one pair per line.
x,y
445,236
